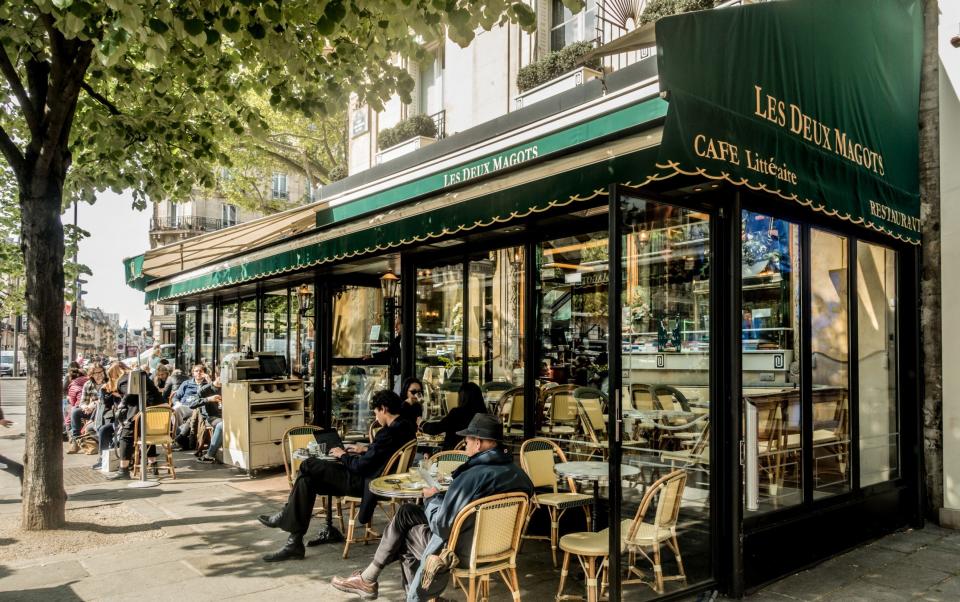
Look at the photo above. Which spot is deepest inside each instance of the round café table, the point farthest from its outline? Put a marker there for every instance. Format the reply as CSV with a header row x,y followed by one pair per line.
x,y
595,472
404,486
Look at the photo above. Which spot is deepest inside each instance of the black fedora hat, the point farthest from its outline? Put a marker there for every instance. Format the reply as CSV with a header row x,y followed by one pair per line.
x,y
483,426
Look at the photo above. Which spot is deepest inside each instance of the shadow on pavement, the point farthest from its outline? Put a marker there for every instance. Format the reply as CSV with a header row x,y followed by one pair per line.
x,y
45,594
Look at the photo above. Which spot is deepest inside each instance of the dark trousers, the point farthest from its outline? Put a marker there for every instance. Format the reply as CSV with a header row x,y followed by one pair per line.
x,y
405,539
127,445
317,477
76,422
105,436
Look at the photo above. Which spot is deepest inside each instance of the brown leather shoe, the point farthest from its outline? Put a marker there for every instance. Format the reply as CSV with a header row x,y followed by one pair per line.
x,y
354,584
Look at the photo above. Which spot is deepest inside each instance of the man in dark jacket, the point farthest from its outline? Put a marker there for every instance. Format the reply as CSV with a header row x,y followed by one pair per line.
x,y
349,476
416,532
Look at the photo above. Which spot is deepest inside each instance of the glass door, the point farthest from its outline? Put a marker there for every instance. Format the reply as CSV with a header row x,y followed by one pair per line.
x,y
665,397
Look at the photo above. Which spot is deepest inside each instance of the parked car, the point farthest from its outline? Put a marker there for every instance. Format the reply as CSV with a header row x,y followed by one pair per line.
x,y
6,364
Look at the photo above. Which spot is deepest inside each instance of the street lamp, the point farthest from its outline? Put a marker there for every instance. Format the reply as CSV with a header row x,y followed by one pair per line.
x,y
304,298
389,286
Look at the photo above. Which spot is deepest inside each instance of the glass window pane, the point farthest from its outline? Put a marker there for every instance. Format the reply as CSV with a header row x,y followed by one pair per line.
x,y
496,322
572,299
665,362
186,330
206,335
353,387
770,334
439,336
228,330
248,325
876,358
302,311
275,323
829,362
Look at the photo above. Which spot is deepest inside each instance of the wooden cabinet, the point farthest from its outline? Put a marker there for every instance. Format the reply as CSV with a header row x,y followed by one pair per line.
x,y
256,413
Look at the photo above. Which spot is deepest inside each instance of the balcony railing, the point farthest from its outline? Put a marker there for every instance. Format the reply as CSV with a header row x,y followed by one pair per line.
x,y
440,120
188,223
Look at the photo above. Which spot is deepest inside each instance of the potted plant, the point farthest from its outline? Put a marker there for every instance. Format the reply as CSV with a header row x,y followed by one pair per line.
x,y
556,72
407,136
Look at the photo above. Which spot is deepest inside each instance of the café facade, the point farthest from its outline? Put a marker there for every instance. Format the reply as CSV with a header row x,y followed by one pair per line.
x,y
714,253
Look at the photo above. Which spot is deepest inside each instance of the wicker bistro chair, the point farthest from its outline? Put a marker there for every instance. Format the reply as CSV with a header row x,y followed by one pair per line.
x,y
398,463
497,523
636,537
537,457
510,411
448,461
158,419
295,438
560,411
590,403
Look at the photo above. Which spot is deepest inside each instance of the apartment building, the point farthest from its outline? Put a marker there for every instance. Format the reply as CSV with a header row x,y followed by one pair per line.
x,y
205,212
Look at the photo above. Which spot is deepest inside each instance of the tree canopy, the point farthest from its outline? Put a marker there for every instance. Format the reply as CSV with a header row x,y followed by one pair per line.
x,y
161,82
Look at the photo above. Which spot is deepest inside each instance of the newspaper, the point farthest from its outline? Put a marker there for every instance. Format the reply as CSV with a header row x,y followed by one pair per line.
x,y
428,479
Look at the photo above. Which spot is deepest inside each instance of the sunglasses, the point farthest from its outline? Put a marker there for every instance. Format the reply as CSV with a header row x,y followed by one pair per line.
x,y
416,391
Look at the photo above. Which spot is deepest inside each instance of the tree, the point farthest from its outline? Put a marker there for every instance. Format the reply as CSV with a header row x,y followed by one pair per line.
x,y
135,95
312,147
930,269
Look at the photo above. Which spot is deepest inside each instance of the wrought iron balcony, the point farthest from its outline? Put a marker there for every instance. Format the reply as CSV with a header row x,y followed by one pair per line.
x,y
186,223
440,120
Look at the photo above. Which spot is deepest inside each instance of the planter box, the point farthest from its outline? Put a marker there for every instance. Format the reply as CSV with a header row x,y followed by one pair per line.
x,y
405,147
567,81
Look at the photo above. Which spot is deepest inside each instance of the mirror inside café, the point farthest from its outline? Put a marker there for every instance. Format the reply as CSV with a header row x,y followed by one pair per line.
x,y
666,402
360,359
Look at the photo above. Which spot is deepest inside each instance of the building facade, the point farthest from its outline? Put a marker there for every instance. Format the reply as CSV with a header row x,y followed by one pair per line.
x,y
97,333
694,271
208,212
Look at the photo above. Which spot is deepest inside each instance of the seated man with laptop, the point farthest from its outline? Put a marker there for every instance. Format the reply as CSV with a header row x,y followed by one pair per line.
x,y
348,474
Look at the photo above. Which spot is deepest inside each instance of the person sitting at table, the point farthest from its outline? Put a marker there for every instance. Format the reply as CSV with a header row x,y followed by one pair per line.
x,y
350,476
211,409
416,534
411,392
469,404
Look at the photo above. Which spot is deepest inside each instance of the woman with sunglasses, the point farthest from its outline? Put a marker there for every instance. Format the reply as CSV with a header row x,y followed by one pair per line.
x,y
470,403
412,395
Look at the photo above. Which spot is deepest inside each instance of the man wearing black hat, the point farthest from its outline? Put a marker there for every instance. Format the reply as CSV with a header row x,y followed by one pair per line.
x,y
416,534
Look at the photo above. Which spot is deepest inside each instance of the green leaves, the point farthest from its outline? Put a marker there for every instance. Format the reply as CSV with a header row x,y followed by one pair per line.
x,y
193,26
158,26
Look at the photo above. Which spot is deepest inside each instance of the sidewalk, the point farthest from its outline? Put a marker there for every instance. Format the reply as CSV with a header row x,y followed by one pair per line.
x,y
197,538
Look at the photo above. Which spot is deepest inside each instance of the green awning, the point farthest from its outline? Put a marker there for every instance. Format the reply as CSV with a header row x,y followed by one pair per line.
x,y
562,182
815,101
133,269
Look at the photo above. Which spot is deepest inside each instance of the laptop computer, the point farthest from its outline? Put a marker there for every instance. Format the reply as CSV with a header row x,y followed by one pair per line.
x,y
331,438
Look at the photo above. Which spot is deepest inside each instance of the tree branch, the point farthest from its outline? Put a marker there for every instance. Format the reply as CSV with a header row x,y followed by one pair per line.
x,y
13,78
12,153
100,98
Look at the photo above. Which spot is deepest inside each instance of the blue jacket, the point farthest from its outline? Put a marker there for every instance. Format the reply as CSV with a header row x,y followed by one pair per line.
x,y
188,394
485,474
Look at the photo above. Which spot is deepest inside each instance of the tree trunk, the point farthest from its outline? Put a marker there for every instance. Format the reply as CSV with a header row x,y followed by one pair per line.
x,y
44,497
930,277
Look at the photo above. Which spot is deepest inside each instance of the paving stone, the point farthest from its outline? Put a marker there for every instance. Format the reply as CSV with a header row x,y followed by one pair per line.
x,y
908,578
910,540
45,575
870,557
112,585
944,591
813,584
865,591
940,559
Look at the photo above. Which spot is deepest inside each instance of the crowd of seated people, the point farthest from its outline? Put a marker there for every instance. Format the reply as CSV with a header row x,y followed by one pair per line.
x,y
100,412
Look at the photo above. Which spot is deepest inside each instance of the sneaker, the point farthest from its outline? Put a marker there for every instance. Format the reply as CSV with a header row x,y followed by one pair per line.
x,y
434,564
98,465
354,584
206,460
121,475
